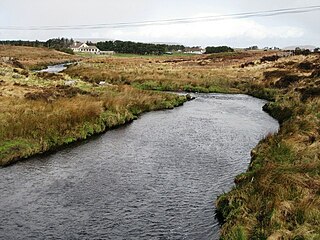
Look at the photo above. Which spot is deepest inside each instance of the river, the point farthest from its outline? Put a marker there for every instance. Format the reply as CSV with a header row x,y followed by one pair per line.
x,y
55,68
156,178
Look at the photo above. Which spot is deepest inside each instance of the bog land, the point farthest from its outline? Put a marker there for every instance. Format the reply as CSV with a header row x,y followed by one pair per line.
x,y
277,198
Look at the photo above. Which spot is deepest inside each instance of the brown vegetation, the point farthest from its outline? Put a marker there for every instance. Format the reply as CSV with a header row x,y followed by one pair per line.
x,y
41,111
277,198
30,57
208,73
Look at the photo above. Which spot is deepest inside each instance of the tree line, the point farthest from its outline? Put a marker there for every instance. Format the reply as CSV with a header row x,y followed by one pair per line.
x,y
60,44
138,47
23,43
63,44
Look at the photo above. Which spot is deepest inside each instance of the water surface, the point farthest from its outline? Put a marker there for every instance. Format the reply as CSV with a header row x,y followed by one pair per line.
x,y
55,68
156,178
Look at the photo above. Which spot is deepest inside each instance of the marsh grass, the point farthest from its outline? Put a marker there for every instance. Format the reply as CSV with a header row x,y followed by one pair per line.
x,y
277,198
36,58
32,126
186,74
39,114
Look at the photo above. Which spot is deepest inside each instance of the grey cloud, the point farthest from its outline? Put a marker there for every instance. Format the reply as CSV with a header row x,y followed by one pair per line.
x,y
69,12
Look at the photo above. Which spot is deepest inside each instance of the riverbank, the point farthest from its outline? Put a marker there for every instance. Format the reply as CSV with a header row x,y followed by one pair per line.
x,y
43,111
276,198
155,177
35,133
34,58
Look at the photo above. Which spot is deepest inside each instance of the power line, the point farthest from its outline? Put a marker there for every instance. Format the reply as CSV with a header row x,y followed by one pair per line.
x,y
268,13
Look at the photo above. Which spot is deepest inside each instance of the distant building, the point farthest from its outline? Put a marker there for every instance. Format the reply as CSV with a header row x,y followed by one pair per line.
x,y
83,47
107,52
194,50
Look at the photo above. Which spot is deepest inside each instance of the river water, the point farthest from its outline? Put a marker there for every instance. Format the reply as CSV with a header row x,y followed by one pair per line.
x,y
156,178
55,68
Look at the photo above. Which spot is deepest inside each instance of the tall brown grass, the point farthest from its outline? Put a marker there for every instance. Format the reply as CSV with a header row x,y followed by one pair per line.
x,y
278,197
160,75
32,126
33,57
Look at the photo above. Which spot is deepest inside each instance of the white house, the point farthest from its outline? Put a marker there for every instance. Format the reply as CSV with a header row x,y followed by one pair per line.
x,y
194,50
83,47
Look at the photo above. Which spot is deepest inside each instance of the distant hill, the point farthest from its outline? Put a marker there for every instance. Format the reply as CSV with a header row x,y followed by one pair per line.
x,y
310,47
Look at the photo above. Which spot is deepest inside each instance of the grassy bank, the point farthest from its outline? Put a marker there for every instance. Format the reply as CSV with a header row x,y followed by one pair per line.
x,y
200,73
279,196
40,111
35,126
34,58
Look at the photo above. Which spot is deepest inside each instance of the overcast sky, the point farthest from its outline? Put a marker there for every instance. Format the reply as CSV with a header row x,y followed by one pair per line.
x,y
284,30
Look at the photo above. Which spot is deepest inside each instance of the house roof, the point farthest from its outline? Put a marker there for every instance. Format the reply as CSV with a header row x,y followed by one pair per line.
x,y
77,45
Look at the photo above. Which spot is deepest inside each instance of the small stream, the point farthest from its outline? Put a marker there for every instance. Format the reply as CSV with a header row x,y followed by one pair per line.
x,y
157,178
55,68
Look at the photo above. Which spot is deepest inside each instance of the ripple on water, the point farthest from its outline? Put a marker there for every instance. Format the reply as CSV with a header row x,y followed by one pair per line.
x,y
156,178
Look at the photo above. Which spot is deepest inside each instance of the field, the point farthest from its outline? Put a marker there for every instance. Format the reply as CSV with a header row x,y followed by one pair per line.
x,y
42,111
277,198
34,58
212,73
